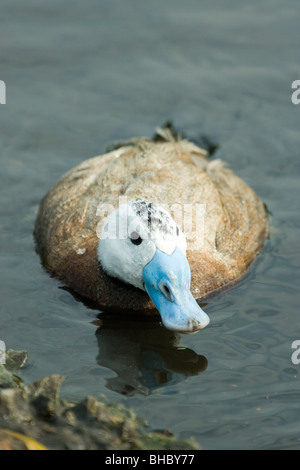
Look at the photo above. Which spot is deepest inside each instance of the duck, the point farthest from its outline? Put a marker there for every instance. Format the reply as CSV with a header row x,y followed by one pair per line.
x,y
152,227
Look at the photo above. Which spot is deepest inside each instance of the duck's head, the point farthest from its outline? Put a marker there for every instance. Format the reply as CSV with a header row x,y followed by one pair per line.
x,y
141,244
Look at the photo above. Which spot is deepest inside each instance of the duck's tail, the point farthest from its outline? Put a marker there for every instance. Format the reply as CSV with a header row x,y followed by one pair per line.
x,y
167,133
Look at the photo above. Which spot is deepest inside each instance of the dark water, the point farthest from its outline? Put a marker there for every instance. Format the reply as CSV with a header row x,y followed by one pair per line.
x,y
80,75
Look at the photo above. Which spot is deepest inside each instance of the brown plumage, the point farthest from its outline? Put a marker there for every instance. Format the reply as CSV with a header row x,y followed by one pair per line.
x,y
166,172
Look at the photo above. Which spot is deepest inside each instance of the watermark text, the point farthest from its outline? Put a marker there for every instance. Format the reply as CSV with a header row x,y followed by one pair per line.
x,y
296,354
296,94
2,352
190,218
2,92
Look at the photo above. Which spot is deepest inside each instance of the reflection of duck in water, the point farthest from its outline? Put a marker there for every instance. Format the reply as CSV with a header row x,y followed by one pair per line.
x,y
140,244
144,355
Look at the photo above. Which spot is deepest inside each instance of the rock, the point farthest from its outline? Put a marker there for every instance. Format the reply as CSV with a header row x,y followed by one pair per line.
x,y
7,379
15,359
34,415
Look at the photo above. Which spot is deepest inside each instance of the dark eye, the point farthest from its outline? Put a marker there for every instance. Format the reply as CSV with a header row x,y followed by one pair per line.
x,y
177,231
135,238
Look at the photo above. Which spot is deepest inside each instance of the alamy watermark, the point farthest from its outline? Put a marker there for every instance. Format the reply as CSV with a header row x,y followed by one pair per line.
x,y
2,352
296,354
296,94
2,92
190,218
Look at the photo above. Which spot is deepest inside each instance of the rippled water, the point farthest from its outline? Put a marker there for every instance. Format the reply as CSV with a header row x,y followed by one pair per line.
x,y
80,75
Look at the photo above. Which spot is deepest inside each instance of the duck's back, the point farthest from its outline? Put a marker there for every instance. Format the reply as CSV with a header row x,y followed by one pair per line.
x,y
223,219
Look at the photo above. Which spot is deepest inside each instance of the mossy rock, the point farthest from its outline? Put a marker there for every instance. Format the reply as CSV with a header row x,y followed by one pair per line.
x,y
34,416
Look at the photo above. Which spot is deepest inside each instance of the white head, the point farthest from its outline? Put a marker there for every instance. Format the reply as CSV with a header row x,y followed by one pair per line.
x,y
141,244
